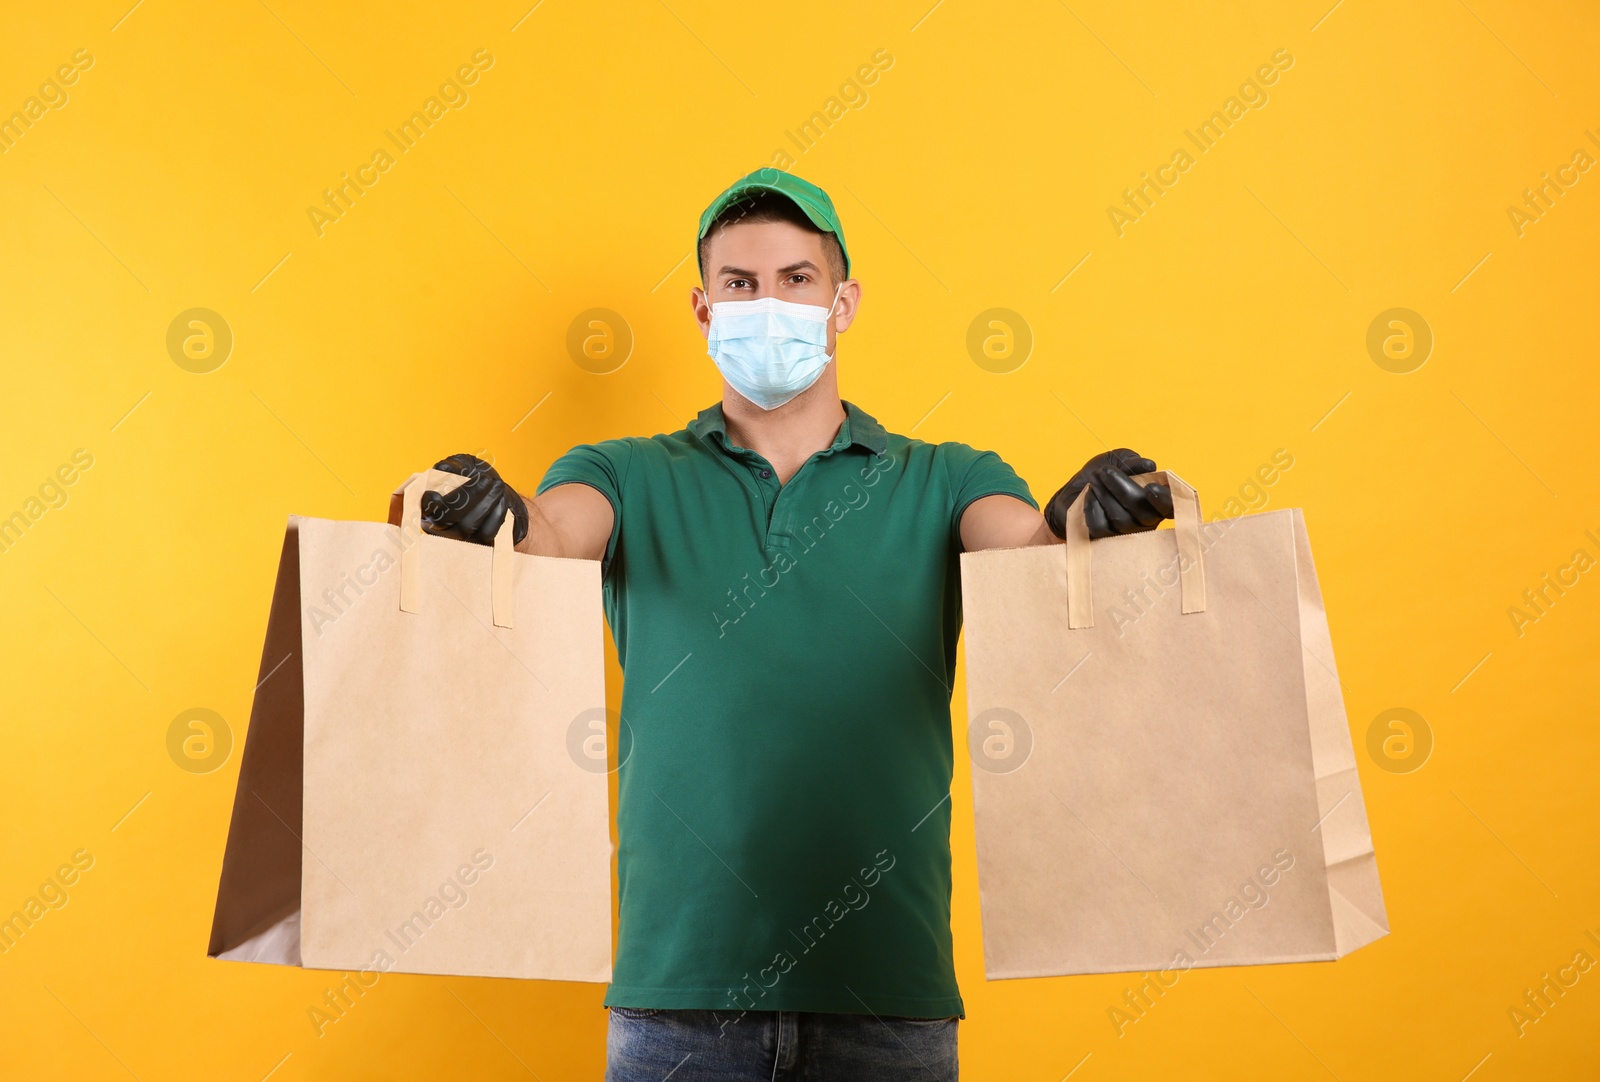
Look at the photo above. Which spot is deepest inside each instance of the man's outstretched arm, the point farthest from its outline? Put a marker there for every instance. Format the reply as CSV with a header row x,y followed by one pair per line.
x,y
1003,522
1116,504
571,520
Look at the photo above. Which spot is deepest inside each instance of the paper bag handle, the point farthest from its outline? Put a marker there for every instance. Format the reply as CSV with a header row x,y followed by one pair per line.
x,y
1191,561
501,565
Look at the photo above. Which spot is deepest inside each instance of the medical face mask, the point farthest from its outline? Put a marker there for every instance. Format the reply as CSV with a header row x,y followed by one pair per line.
x,y
770,350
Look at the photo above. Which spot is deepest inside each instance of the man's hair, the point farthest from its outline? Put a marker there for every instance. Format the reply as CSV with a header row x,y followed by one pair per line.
x,y
773,207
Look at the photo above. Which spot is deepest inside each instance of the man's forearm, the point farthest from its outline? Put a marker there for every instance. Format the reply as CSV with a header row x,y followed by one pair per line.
x,y
1003,522
571,520
543,538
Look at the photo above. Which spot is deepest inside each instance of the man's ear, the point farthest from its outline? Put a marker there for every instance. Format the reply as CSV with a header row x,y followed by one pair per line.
x,y
844,313
700,304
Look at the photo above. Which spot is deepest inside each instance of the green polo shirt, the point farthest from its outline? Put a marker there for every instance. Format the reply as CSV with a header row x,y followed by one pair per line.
x,y
787,655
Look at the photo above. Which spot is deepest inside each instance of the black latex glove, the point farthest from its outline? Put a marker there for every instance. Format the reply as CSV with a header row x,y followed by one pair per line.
x,y
474,511
1115,504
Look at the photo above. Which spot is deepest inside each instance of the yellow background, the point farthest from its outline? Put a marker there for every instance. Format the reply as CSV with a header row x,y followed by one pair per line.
x,y
1223,326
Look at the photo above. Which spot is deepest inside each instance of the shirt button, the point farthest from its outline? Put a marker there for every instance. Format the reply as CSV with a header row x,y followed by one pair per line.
x,y
765,474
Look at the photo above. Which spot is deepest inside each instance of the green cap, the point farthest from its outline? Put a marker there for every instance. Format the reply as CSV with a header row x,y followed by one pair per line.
x,y
805,195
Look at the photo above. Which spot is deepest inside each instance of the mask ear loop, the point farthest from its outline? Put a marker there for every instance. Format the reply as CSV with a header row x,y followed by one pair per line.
x,y
828,319
837,293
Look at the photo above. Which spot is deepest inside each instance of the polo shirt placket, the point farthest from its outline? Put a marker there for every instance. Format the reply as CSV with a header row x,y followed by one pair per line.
x,y
780,500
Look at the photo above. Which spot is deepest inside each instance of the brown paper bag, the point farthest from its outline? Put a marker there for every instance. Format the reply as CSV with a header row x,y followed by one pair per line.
x,y
420,788
1163,775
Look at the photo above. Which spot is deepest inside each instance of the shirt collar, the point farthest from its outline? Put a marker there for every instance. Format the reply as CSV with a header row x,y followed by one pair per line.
x,y
859,428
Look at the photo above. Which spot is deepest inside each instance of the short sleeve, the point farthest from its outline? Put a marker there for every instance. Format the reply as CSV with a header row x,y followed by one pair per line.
x,y
975,474
603,467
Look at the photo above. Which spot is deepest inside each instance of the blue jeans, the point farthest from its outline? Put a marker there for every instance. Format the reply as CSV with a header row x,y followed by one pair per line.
x,y
777,1046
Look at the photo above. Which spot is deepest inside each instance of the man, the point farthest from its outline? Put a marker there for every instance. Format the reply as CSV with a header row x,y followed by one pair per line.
x,y
782,582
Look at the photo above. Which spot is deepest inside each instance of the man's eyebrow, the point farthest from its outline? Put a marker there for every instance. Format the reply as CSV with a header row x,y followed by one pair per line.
x,y
804,264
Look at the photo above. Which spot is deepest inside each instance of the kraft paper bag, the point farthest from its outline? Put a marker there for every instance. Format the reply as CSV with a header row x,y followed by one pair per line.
x,y
1163,776
422,790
